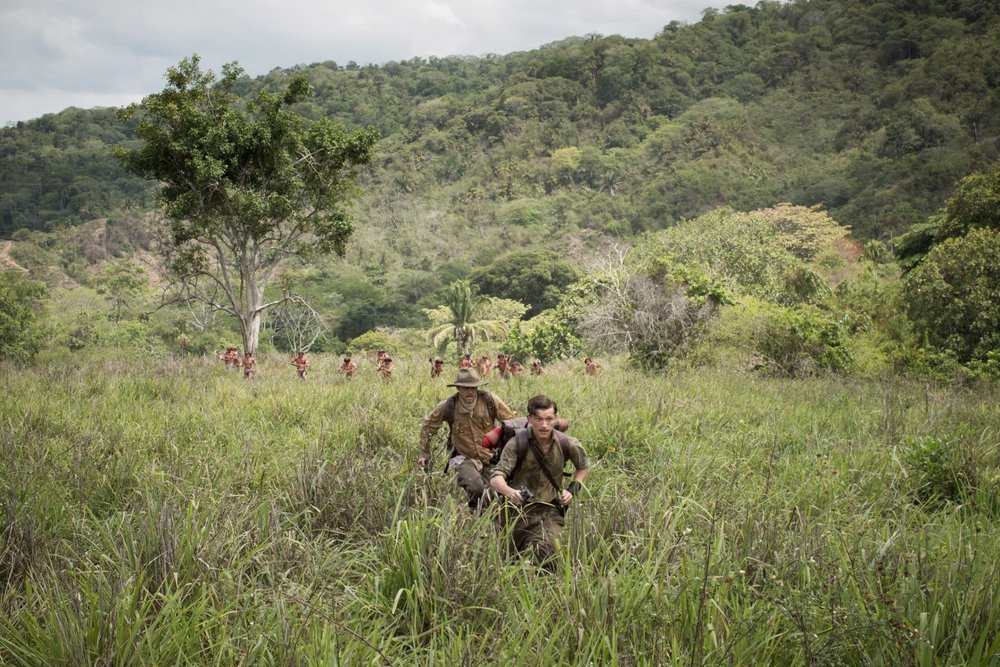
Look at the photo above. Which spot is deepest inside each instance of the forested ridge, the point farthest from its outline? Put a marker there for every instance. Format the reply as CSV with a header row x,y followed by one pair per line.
x,y
761,169
872,109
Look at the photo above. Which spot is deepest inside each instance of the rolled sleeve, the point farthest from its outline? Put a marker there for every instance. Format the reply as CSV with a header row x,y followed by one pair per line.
x,y
503,412
578,455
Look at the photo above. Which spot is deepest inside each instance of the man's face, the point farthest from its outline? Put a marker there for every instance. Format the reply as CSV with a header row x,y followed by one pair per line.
x,y
467,393
542,422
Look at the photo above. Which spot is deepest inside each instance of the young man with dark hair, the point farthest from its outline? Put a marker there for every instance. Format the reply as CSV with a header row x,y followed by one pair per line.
x,y
529,474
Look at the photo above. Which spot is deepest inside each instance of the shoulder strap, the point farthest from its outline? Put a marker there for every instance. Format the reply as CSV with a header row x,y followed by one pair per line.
x,y
491,405
522,447
541,464
563,440
449,409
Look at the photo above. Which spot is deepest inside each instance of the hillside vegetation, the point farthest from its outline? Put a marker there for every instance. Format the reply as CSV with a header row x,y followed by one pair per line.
x,y
706,149
873,110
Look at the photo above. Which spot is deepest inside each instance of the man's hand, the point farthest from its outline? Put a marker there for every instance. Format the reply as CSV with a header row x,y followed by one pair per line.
x,y
514,496
570,492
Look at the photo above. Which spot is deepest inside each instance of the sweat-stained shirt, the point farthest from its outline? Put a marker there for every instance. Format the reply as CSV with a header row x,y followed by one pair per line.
x,y
468,430
530,473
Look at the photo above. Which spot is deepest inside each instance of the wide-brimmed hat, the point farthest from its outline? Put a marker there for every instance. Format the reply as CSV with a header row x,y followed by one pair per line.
x,y
467,378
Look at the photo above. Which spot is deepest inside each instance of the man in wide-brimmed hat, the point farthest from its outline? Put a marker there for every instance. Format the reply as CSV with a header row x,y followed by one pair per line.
x,y
470,413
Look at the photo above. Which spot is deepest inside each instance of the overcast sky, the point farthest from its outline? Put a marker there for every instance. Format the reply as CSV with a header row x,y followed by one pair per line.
x,y
86,53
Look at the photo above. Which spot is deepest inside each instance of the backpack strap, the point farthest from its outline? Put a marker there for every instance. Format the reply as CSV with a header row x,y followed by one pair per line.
x,y
541,464
449,409
491,405
522,447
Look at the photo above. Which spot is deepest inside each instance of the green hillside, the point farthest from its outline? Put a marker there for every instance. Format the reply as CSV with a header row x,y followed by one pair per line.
x,y
756,163
873,110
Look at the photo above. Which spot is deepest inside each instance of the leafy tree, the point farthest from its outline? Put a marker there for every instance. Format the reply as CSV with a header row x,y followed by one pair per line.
x,y
21,333
537,277
464,303
244,187
805,232
953,296
121,282
546,337
976,203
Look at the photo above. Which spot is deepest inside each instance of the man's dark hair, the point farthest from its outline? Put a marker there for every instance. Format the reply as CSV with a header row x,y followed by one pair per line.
x,y
541,402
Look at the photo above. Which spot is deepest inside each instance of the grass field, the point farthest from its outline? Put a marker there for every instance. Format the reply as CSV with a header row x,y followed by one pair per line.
x,y
168,512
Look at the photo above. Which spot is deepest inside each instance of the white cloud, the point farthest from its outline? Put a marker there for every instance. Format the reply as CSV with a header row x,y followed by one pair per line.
x,y
60,53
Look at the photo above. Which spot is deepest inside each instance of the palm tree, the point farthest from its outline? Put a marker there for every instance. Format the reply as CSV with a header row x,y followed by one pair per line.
x,y
462,298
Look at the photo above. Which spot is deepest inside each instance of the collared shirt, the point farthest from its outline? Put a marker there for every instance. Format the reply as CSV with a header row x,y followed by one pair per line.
x,y
468,430
530,473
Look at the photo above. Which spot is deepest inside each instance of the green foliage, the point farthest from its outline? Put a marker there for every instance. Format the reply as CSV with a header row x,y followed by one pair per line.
x,y
976,203
245,187
779,340
937,473
370,341
732,254
21,330
122,282
545,337
537,277
804,232
953,296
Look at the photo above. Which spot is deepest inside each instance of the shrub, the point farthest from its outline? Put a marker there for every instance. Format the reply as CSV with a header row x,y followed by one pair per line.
x,y
21,333
370,342
953,296
935,473
785,341
546,337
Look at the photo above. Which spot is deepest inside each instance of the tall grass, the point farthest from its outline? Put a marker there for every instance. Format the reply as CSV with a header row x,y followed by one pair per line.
x,y
174,513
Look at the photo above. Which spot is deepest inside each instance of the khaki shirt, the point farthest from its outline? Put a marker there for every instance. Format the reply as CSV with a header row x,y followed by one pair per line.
x,y
530,473
468,430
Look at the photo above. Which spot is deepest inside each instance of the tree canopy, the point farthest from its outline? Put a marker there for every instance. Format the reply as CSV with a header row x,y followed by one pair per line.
x,y
535,276
244,186
21,334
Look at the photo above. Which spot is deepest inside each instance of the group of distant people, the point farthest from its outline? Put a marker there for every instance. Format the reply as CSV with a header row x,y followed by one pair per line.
x,y
505,366
231,357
